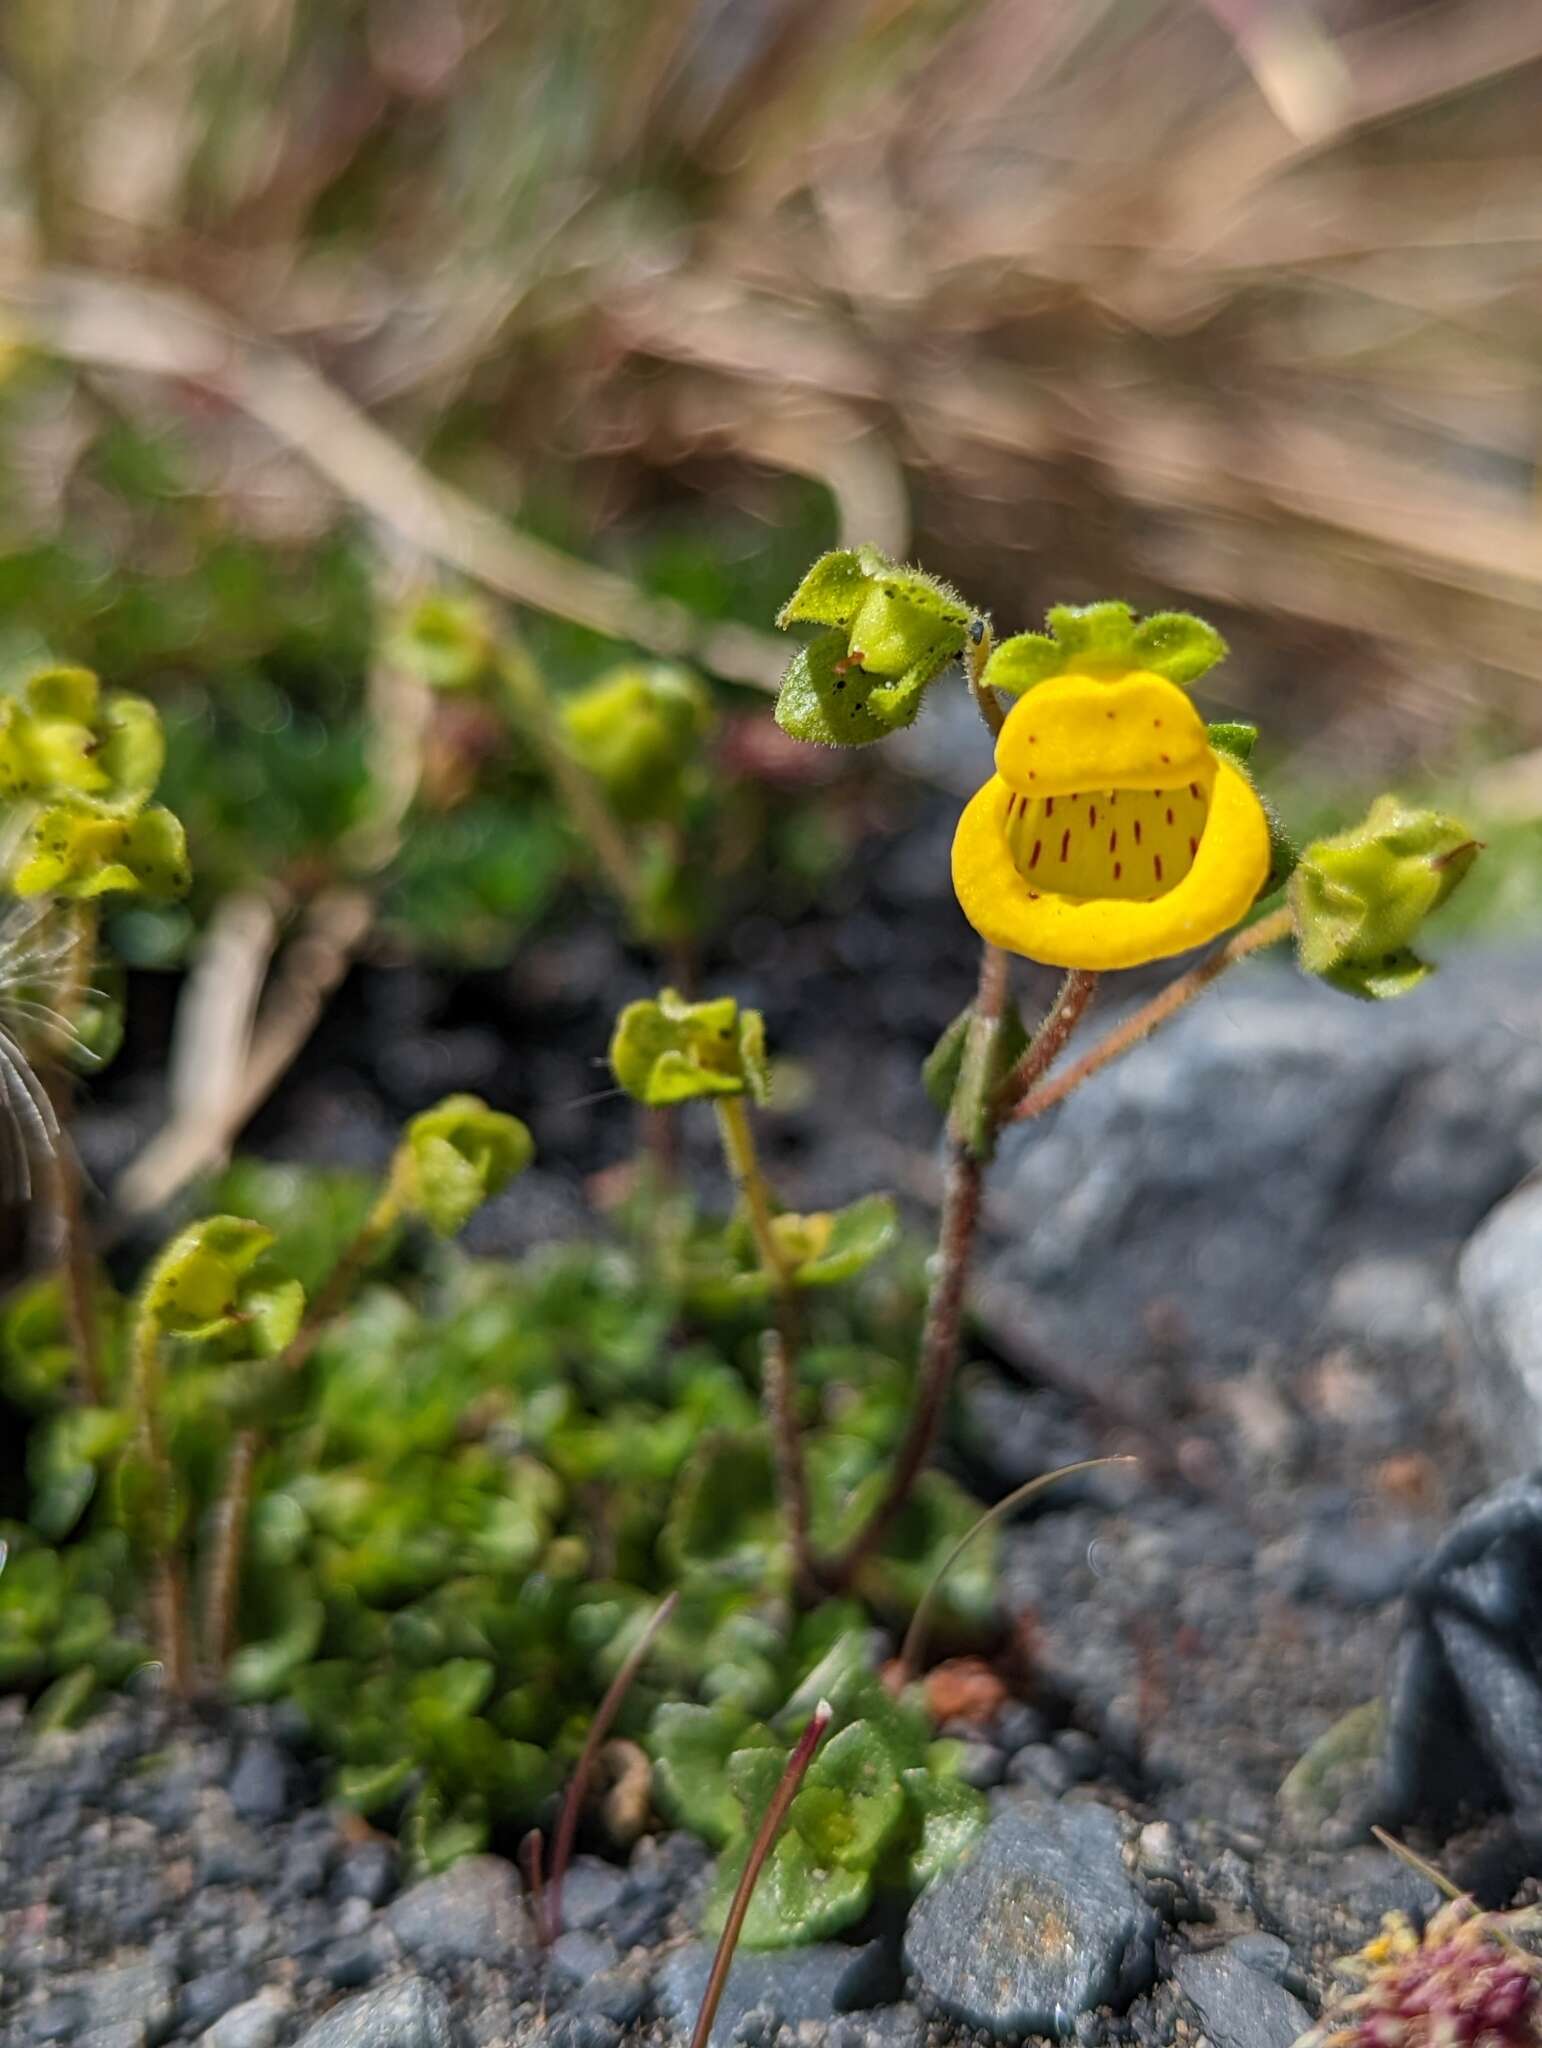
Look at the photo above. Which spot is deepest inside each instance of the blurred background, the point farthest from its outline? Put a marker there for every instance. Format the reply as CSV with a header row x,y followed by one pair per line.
x,y
615,315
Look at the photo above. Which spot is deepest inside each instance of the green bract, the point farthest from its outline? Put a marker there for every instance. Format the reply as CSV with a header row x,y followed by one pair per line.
x,y
819,1250
1105,640
638,730
1360,897
80,849
892,632
203,1287
457,1154
668,1050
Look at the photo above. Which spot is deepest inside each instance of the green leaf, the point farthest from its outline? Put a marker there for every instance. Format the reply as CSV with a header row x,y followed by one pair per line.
x,y
936,1515
851,1803
854,1237
946,1816
796,1900
1015,665
668,1050
457,1154
1234,739
1361,897
1178,646
965,1091
691,1747
724,1518
263,1670
831,591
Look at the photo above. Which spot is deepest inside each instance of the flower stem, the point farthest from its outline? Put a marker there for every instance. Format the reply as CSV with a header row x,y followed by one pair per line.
x,y
1268,931
760,1849
944,1311
222,1579
1066,1012
779,1353
167,1602
977,653
578,1785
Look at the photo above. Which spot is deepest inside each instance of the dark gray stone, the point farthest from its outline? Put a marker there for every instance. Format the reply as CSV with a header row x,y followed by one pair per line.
x,y
258,2023
577,1954
590,1890
1464,1711
206,1997
582,2030
892,2026
1238,2006
1041,1767
473,1912
1236,1162
1040,1923
121,2034
142,1994
784,1986
260,1785
407,2014
1500,1283
621,1994
226,1849
367,1871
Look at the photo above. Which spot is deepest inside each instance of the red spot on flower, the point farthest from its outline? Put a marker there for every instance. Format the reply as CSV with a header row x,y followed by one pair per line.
x,y
1193,848
1065,843
1118,869
1049,807
1156,862
1137,831
1113,842
1092,813
1169,815
1033,858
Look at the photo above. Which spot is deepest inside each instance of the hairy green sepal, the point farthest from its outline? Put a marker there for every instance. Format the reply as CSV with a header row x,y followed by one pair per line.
x,y
456,1155
666,1050
638,729
1105,639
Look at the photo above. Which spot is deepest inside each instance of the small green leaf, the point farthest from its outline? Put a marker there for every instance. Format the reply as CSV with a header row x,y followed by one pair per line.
x,y
851,1803
263,1670
1360,897
964,1090
946,1815
1178,646
639,730
796,1900
1234,739
457,1154
691,1747
724,1520
936,1515
1015,665
854,1237
668,1050
447,641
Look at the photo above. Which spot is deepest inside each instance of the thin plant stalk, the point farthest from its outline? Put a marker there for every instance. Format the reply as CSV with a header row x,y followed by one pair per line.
x,y
760,1849
1049,1041
77,1261
168,1606
909,1660
1268,931
779,1353
222,1579
578,1784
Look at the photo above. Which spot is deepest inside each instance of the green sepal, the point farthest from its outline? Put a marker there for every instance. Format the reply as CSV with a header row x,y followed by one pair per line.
x,y
1360,897
1234,738
820,1250
79,849
61,739
965,1089
131,751
1105,639
446,641
667,1050
201,1286
829,701
638,729
453,1157
892,631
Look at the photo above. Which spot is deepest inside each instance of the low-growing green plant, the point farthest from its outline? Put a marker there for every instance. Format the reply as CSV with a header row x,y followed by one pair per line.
x,y
438,1501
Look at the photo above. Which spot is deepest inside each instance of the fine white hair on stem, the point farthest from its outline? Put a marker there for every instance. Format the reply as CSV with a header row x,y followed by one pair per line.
x,y
36,946
28,1125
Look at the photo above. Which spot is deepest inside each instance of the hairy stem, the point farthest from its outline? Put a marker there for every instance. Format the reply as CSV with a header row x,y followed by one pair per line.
x,y
779,1353
222,1579
1066,1012
1269,931
977,652
168,1607
760,1849
578,1785
944,1311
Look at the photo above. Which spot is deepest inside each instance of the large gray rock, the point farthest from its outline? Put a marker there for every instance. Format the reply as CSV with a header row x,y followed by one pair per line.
x,y
1228,1169
471,1913
782,1987
407,2014
1240,2007
129,1995
1040,1923
1500,1280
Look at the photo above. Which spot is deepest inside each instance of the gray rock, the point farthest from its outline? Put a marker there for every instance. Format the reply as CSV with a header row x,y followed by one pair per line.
x,y
473,1912
208,1996
892,2026
259,1785
121,2034
1500,1285
258,2023
1039,1924
590,1890
141,1994
1240,2007
1237,1161
227,1850
1389,1305
582,2030
407,2014
367,1871
576,1955
782,1987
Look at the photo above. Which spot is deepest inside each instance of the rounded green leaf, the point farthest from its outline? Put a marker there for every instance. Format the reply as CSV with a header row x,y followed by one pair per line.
x,y
945,1816
457,1154
851,1803
668,1050
691,1747
848,1241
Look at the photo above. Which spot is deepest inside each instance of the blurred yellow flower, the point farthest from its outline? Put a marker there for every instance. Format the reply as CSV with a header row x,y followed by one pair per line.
x,y
1112,831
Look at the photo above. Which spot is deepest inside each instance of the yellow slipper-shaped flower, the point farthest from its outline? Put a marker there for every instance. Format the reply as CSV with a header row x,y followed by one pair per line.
x,y
1112,831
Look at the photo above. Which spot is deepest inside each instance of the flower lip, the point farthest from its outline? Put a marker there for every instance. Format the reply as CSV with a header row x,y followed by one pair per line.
x,y
1075,733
